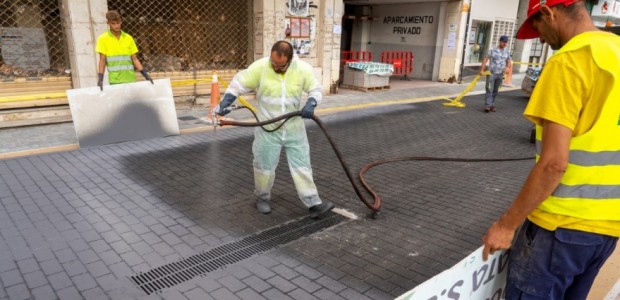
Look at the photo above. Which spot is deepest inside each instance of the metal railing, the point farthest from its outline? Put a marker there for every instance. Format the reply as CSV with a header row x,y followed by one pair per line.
x,y
32,39
171,35
188,35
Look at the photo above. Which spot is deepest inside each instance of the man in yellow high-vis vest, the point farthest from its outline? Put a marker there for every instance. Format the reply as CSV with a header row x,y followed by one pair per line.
x,y
569,206
117,51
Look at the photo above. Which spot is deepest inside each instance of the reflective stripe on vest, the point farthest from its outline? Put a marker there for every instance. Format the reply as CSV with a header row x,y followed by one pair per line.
x,y
119,58
119,66
590,186
585,158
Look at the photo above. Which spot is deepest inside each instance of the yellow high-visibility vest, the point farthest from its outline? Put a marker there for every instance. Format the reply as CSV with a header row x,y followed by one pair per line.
x,y
118,54
590,187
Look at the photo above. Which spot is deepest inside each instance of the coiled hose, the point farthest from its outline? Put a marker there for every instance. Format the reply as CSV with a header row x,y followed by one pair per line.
x,y
375,205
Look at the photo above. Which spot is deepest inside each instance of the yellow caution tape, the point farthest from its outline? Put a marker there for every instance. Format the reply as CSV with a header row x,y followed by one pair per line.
x,y
64,94
190,82
526,63
33,97
243,101
457,101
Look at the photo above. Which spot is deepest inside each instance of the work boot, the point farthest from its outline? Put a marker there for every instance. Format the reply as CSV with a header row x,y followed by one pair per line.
x,y
319,209
263,206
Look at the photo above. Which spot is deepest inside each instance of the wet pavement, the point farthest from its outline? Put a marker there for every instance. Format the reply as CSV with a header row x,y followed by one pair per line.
x,y
174,217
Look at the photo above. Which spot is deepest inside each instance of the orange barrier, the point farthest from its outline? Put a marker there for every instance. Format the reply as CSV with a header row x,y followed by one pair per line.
x,y
402,61
215,95
352,56
508,76
349,56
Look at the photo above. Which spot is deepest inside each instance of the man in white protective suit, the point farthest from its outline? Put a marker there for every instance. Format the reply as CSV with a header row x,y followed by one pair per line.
x,y
279,82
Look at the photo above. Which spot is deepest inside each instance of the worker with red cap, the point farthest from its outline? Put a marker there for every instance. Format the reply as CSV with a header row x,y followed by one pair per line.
x,y
568,210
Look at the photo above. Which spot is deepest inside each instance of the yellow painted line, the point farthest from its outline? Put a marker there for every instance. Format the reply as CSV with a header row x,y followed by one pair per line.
x,y
375,104
33,97
190,82
64,94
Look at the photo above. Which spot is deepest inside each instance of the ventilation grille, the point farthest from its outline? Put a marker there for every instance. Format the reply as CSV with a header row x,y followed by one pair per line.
x,y
186,269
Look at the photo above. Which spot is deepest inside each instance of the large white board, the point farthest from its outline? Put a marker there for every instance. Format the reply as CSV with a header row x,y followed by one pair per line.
x,y
470,279
123,112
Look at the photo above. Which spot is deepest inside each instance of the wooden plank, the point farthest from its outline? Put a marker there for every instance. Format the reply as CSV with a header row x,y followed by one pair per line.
x,y
365,89
23,87
53,149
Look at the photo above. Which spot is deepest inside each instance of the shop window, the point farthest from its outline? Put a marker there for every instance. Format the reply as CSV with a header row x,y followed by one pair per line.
x,y
478,41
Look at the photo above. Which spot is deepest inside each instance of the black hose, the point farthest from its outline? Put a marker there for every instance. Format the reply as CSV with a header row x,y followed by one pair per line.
x,y
375,206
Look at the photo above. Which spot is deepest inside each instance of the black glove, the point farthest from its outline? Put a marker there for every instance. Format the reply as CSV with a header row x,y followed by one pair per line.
x,y
146,75
308,110
100,80
226,102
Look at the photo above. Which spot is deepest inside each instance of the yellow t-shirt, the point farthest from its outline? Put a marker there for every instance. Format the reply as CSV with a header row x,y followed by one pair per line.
x,y
125,46
569,92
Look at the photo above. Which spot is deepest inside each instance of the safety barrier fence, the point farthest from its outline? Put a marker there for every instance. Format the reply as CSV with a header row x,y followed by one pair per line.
x,y
402,61
352,56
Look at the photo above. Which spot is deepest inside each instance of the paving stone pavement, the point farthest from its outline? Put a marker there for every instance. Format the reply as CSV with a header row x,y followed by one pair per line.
x,y
78,224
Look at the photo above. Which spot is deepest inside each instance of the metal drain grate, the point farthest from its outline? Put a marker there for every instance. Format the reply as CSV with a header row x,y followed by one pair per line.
x,y
186,269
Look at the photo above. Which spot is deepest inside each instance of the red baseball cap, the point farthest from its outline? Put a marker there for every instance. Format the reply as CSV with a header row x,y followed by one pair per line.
x,y
526,31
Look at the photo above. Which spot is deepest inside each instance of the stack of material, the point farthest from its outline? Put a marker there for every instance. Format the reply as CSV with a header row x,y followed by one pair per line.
x,y
367,75
530,79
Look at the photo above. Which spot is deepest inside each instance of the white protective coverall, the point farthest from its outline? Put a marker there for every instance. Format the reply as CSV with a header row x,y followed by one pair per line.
x,y
280,94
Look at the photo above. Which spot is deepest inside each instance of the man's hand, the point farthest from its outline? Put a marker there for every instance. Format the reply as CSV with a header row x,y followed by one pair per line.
x,y
100,80
147,76
226,102
308,111
498,237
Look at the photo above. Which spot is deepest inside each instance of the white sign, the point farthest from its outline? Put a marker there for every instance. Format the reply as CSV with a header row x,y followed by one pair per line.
x,y
25,48
470,279
608,10
123,112
418,23
337,29
451,40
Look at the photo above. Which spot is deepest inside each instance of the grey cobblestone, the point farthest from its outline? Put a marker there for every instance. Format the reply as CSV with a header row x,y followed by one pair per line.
x,y
306,284
275,294
35,279
224,294
232,284
198,293
69,293
43,292
59,280
84,282
257,284
112,211
281,284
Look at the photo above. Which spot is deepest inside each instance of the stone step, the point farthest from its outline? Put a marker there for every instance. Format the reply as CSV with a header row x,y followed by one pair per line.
x,y
34,116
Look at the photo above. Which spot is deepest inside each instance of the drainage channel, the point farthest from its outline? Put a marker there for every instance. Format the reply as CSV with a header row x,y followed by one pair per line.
x,y
214,259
